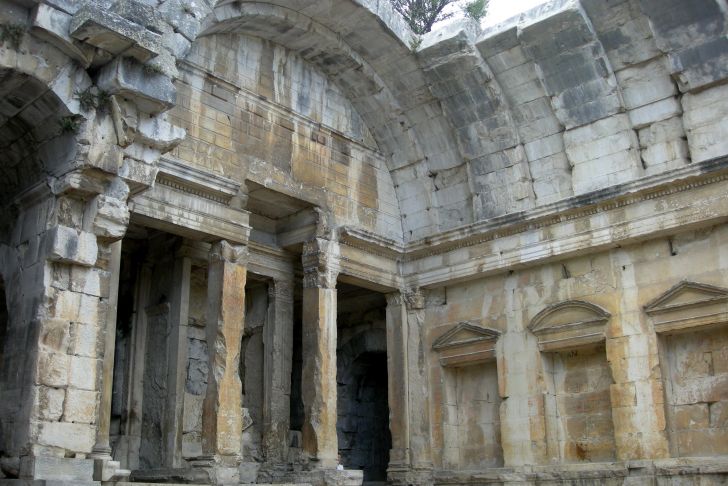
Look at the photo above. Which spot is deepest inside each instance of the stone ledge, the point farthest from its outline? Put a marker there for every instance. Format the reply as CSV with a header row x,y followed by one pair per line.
x,y
114,34
153,93
615,471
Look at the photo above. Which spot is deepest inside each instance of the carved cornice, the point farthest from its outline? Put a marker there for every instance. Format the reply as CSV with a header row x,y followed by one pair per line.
x,y
466,343
569,324
370,242
542,218
646,188
687,305
185,178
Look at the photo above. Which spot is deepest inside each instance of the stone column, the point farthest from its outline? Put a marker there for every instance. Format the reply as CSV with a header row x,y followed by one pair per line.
x,y
222,414
102,447
419,391
278,344
177,365
398,385
320,267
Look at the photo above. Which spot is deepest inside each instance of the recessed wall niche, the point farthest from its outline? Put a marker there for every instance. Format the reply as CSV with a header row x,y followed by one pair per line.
x,y
577,379
471,403
691,320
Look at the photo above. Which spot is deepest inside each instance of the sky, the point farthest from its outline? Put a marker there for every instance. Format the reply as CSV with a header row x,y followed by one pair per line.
x,y
499,10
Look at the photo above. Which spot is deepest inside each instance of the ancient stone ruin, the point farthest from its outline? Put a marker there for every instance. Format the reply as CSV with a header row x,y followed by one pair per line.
x,y
290,242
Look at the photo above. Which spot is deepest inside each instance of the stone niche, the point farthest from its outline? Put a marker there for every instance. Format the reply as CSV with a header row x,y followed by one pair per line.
x,y
691,321
471,403
577,379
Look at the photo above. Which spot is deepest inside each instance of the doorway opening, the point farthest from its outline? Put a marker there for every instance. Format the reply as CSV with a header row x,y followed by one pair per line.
x,y
363,407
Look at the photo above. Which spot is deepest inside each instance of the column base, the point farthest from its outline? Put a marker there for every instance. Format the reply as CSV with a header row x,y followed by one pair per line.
x,y
107,469
218,470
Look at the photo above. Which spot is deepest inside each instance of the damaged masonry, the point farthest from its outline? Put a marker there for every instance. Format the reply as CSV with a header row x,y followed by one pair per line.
x,y
289,242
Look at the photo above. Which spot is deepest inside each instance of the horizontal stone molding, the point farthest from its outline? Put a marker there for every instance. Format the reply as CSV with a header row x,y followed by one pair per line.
x,y
192,203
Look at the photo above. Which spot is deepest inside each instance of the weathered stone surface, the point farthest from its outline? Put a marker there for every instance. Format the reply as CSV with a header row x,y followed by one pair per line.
x,y
152,92
69,245
113,33
222,409
569,157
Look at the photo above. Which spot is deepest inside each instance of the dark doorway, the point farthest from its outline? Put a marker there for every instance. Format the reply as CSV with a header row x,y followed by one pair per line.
x,y
361,373
363,425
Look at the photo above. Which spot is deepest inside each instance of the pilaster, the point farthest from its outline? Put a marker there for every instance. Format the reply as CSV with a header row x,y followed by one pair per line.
x,y
398,387
278,344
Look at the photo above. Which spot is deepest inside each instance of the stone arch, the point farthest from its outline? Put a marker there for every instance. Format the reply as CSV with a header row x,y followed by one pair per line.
x,y
381,76
37,132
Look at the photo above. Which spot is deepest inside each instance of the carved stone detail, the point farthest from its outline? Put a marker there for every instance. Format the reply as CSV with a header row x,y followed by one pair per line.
x,y
320,263
568,324
465,344
687,305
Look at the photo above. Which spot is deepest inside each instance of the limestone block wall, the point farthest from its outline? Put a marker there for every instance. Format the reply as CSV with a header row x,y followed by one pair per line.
x,y
574,97
255,110
638,392
695,381
471,428
577,406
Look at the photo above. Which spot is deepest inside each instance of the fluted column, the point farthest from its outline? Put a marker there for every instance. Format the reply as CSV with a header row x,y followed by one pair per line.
x,y
320,266
278,344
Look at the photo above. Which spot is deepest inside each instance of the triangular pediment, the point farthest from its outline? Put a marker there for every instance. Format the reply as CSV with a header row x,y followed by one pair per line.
x,y
686,294
464,333
570,313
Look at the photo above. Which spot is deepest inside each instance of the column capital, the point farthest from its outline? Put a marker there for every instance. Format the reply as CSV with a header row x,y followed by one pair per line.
x,y
320,261
394,299
224,251
414,299
281,290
